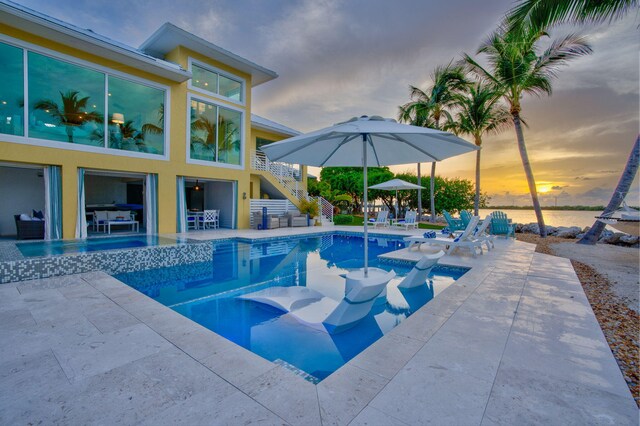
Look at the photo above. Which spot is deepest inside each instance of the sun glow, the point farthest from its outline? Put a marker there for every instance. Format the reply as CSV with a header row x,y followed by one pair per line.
x,y
542,189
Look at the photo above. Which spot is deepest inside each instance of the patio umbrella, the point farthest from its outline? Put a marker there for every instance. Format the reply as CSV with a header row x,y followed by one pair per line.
x,y
396,184
368,141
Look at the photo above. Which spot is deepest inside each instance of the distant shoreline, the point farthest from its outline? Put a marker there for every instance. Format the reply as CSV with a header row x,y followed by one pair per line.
x,y
564,208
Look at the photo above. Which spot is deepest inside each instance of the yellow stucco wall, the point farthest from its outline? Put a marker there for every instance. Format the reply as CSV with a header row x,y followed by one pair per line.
x,y
167,170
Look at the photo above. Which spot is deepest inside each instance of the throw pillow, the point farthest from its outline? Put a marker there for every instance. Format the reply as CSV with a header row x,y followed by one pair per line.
x,y
38,214
25,217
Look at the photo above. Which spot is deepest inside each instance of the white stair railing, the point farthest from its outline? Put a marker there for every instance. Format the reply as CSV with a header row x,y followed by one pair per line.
x,y
326,210
289,178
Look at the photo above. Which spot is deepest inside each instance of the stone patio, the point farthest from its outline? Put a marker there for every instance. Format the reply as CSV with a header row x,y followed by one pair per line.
x,y
514,341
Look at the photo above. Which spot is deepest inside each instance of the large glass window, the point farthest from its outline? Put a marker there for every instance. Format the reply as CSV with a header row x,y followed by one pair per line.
x,y
11,90
215,133
136,116
217,83
69,103
66,101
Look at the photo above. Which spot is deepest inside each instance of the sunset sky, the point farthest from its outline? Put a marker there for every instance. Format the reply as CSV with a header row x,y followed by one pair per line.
x,y
339,59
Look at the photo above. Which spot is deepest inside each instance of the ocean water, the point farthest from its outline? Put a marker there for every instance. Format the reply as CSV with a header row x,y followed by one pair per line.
x,y
551,217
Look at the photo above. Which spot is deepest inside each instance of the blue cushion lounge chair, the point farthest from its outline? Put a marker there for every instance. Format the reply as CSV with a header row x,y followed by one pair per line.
x,y
481,233
500,225
454,224
409,221
382,219
466,240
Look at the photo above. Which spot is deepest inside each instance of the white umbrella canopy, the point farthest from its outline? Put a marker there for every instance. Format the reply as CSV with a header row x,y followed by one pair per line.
x,y
368,142
396,185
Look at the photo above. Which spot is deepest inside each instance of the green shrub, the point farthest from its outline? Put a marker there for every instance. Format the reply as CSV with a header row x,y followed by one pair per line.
x,y
342,219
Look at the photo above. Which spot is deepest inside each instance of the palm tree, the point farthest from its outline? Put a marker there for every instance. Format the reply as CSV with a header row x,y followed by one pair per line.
x,y
73,112
202,123
228,139
155,129
518,69
542,14
428,108
479,112
545,13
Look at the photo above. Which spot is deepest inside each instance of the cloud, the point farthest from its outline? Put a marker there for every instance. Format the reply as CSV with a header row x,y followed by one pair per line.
x,y
557,187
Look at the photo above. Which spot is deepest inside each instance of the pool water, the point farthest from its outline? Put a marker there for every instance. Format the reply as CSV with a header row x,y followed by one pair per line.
x,y
58,247
207,294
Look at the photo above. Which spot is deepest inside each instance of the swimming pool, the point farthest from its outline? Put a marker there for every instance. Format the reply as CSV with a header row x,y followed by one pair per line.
x,y
58,247
208,294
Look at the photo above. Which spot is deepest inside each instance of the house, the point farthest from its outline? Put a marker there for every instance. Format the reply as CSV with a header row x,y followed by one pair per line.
x,y
90,124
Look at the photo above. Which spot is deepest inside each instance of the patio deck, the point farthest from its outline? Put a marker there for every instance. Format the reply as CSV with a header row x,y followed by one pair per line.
x,y
514,341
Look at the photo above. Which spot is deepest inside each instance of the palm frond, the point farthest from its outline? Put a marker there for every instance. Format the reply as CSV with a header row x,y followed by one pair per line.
x,y
547,13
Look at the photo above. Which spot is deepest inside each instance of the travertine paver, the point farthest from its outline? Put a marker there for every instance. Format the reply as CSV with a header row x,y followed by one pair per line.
x,y
514,341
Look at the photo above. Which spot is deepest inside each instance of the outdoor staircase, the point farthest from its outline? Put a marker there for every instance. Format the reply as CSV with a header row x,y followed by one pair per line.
x,y
286,178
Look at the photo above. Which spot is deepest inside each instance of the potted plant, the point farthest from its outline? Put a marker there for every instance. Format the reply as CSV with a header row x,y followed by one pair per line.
x,y
310,208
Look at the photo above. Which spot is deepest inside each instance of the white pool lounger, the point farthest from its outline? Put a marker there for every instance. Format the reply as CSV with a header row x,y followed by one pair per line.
x,y
318,311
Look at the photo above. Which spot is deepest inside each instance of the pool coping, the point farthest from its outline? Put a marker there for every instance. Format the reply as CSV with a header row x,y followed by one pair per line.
x,y
363,389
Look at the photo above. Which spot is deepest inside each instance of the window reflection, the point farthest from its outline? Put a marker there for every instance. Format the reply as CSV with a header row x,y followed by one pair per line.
x,y
215,133
214,82
11,90
66,102
136,117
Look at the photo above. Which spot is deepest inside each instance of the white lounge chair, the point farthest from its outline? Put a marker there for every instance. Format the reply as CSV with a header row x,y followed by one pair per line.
x,y
382,219
418,275
466,240
314,309
482,235
409,221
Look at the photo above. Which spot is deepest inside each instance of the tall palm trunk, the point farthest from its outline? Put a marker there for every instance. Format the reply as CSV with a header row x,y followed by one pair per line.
x,y
529,173
624,184
419,194
432,187
476,202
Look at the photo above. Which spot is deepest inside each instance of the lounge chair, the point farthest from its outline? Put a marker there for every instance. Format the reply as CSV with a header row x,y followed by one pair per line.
x,y
382,219
465,217
500,225
408,222
314,309
418,275
481,234
466,240
453,224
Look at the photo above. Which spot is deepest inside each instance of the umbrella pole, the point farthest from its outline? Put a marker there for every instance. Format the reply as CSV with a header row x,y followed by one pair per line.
x,y
366,216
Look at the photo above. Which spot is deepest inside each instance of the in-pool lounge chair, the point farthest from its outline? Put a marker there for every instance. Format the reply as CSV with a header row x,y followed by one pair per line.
x,y
418,275
314,309
409,221
382,219
465,240
453,224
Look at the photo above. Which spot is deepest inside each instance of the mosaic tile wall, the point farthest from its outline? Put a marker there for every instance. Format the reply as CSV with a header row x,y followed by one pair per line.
x,y
111,262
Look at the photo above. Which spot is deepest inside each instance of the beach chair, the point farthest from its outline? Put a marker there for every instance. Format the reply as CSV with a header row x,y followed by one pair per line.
x,y
418,275
500,225
382,220
453,224
464,241
465,217
409,221
314,309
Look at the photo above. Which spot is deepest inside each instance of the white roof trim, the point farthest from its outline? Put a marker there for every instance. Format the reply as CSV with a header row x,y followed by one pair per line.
x,y
262,123
34,22
168,37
